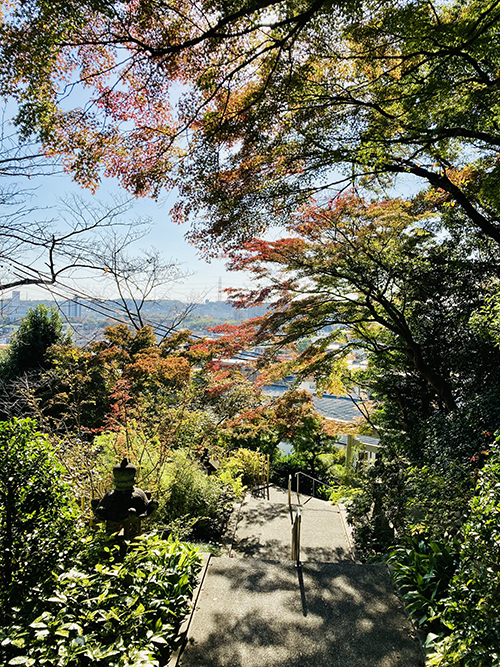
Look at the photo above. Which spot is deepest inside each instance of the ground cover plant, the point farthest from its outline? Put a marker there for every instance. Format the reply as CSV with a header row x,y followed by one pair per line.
x,y
108,610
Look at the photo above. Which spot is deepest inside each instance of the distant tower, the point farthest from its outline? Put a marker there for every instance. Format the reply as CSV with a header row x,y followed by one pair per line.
x,y
72,308
15,304
219,295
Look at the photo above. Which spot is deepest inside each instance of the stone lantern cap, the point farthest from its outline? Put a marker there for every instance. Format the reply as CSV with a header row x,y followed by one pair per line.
x,y
124,475
125,501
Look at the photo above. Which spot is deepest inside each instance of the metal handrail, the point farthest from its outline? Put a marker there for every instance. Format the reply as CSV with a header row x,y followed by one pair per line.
x,y
296,537
311,477
315,479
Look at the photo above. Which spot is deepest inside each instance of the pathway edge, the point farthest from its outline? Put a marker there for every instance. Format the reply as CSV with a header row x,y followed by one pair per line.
x,y
186,623
347,530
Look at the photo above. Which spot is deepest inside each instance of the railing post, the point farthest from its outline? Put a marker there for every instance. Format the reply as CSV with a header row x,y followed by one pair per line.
x,y
289,490
349,453
297,478
296,537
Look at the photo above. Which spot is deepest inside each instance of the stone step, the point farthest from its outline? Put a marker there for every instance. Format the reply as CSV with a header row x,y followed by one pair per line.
x,y
252,613
264,529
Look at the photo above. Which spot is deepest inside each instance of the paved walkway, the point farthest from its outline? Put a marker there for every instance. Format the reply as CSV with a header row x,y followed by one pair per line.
x,y
257,609
264,529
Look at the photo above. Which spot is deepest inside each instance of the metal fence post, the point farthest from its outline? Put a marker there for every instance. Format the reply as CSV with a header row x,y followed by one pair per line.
x,y
349,453
296,537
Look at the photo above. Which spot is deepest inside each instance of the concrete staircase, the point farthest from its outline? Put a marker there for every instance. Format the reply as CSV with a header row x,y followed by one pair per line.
x,y
264,526
256,608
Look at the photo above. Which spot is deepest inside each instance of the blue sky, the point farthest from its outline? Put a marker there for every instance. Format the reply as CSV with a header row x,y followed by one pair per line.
x,y
203,281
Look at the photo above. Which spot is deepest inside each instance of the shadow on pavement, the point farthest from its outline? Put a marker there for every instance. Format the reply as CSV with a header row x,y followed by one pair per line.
x,y
322,615
259,516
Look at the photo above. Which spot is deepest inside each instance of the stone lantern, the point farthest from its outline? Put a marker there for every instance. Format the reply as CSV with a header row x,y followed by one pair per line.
x,y
124,506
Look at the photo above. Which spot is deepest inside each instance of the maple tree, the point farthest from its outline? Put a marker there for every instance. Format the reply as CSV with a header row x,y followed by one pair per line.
x,y
250,107
290,418
384,277
169,386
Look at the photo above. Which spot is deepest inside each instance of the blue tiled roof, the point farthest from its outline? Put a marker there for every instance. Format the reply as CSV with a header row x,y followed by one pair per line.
x,y
336,407
332,407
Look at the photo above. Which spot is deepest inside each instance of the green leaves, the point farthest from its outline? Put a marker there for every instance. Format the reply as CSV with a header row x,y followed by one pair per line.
x,y
37,514
22,660
193,503
453,587
38,331
112,613
470,611
422,570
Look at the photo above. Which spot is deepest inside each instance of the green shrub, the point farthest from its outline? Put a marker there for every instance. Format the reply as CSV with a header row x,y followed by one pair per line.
x,y
292,464
109,612
37,513
192,503
188,493
243,465
471,610
331,460
342,494
400,499
422,569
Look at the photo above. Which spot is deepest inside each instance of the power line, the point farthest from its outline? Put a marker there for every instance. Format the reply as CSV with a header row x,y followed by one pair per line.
x,y
104,309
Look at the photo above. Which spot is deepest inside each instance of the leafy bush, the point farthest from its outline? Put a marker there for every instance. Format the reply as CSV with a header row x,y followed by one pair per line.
x,y
330,469
37,513
422,570
189,493
331,460
471,610
243,464
292,464
109,613
342,494
405,499
438,498
343,475
192,503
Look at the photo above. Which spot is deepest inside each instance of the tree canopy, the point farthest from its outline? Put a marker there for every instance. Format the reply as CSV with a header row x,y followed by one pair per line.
x,y
39,330
252,107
